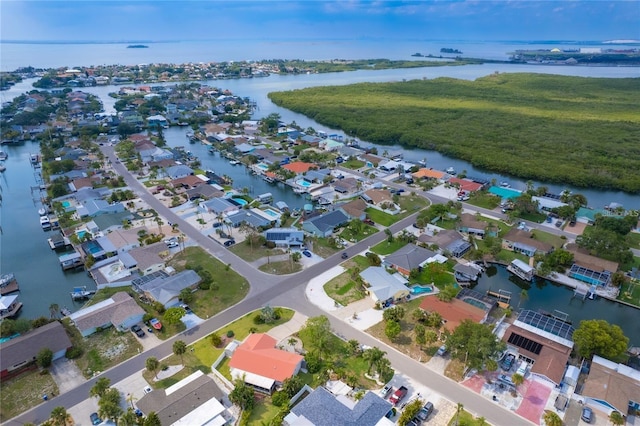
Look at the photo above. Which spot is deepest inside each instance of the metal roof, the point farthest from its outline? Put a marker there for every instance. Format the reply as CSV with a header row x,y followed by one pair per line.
x,y
546,323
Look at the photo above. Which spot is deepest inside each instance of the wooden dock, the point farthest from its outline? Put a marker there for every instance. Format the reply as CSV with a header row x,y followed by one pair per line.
x,y
8,284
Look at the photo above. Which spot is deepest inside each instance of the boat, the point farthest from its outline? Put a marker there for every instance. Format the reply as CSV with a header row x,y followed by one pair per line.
x,y
45,223
9,306
79,293
234,162
3,155
268,179
8,284
65,311
505,185
42,211
2,168
422,162
35,158
137,46
451,170
155,323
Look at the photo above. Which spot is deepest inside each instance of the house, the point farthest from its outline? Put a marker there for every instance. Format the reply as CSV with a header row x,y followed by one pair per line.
x,y
321,408
425,173
219,205
175,172
547,203
187,182
193,401
285,237
466,185
98,248
330,145
447,240
21,351
260,364
371,160
543,341
521,241
453,312
165,288
149,258
355,209
204,191
465,273
377,197
408,258
611,386
470,225
383,286
119,311
125,239
325,224
156,121
94,207
299,167
346,186
590,269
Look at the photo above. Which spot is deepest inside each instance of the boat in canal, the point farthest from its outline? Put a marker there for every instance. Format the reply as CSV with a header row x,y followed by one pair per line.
x,y
451,170
3,155
9,306
8,284
80,293
45,223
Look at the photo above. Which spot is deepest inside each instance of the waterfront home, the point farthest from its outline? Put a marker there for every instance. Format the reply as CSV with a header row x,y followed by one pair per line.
x,y
204,192
150,153
329,144
254,218
384,287
70,260
9,306
521,269
321,407
408,258
611,386
466,273
194,400
119,311
125,239
178,171
377,197
164,288
371,160
157,121
447,240
220,205
149,259
590,269
454,311
261,365
285,237
19,354
84,182
299,167
99,248
544,340
521,241
346,186
187,182
465,184
325,224
546,203
114,271
355,209
468,224
111,222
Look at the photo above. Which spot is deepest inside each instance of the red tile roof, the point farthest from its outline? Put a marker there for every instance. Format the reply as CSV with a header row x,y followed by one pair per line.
x,y
299,166
453,312
466,185
258,355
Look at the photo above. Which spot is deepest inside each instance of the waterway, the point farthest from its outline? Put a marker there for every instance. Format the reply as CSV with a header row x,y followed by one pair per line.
x,y
550,296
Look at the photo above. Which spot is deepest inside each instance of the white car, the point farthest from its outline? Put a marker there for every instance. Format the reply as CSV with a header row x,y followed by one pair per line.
x,y
147,389
385,391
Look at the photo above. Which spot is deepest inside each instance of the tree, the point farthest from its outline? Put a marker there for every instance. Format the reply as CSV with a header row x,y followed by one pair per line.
x,y
392,329
420,336
186,295
44,358
410,411
242,395
128,418
373,356
152,364
179,348
517,379
616,418
319,330
292,385
551,419
100,387
152,419
598,337
395,313
109,404
459,409
474,343
173,315
59,416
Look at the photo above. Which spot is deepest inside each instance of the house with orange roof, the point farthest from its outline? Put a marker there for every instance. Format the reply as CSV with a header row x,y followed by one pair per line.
x,y
425,173
466,185
261,365
299,167
453,312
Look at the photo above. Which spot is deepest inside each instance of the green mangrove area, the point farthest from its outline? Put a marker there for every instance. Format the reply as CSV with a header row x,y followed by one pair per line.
x,y
570,130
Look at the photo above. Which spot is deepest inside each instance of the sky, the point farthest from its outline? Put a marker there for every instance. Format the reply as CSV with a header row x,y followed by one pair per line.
x,y
120,20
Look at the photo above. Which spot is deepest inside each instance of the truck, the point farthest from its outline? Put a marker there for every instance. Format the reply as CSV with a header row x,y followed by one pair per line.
x,y
398,395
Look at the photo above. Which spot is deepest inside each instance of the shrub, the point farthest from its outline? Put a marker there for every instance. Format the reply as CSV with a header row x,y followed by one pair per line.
x,y
313,362
158,307
230,334
257,319
215,339
73,352
279,398
204,285
147,317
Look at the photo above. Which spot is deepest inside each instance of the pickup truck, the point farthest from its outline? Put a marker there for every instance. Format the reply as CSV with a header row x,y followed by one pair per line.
x,y
397,396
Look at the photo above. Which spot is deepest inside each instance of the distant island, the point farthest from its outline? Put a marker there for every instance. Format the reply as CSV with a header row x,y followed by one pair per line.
x,y
137,46
450,50
419,55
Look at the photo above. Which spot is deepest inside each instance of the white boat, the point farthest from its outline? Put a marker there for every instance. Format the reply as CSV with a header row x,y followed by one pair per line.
x,y
45,223
505,184
234,162
451,170
422,162
42,211
3,155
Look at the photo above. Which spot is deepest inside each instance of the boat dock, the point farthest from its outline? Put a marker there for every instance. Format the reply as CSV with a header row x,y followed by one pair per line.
x,y
80,293
9,306
503,296
8,284
71,261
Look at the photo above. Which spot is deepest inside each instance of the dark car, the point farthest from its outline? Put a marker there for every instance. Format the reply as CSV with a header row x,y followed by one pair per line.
x,y
508,362
587,414
306,253
369,222
95,419
344,255
229,243
425,411
558,223
136,329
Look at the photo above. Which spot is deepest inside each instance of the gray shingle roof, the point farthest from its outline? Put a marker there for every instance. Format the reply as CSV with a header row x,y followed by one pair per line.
x,y
329,221
409,257
27,346
164,289
323,409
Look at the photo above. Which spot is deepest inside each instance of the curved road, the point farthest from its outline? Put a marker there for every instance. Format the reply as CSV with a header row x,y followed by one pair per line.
x,y
288,291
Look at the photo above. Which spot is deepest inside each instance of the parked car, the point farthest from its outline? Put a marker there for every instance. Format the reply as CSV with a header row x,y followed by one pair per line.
x,y
369,222
95,419
508,362
229,243
442,350
217,224
385,391
587,414
344,255
425,411
186,308
172,244
558,223
147,389
306,253
137,330
398,395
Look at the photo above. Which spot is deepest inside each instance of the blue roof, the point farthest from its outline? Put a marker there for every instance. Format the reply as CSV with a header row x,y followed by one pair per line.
x,y
322,409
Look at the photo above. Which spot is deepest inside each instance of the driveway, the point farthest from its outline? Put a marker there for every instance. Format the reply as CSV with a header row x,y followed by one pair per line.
x,y
66,374
282,332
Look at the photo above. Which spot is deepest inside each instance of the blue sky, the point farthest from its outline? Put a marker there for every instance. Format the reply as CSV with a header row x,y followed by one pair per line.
x,y
81,20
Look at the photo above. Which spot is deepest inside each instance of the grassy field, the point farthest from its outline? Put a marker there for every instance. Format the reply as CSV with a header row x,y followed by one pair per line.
x,y
630,292
484,199
231,286
380,217
251,254
385,247
563,124
343,289
282,267
24,392
548,238
466,419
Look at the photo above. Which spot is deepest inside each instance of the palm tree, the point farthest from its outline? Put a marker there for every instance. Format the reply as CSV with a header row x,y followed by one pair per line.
x,y
159,221
551,419
152,364
373,356
100,387
179,348
292,341
616,418
128,418
59,416
517,379
459,409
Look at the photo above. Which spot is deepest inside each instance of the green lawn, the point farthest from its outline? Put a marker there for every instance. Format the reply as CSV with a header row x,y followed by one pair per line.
x,y
439,275
282,267
385,247
633,238
507,256
349,234
548,238
24,392
466,419
228,289
410,204
250,254
630,292
484,199
380,217
224,369
343,289
263,411
353,164
534,217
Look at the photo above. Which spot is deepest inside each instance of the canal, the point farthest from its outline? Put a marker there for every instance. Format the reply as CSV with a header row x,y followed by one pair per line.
x,y
549,296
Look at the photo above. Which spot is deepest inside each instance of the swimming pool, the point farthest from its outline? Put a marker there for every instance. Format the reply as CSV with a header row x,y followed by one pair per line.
x,y
476,303
66,204
239,201
272,213
303,183
262,166
418,289
81,234
93,247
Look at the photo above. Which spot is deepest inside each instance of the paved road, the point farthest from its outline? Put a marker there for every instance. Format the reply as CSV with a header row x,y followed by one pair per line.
x,y
275,291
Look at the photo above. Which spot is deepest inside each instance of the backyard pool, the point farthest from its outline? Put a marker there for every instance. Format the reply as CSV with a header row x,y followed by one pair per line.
x,y
303,183
240,201
66,204
81,234
272,213
418,289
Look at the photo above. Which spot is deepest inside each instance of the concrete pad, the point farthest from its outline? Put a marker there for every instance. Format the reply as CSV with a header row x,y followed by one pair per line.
x,y
191,320
315,292
66,374
283,331
132,387
441,191
82,411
